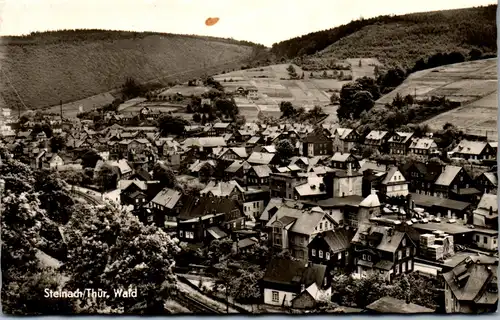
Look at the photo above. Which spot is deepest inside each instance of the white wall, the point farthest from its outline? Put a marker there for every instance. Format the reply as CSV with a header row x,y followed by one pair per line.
x,y
397,190
268,297
113,196
426,269
249,210
491,241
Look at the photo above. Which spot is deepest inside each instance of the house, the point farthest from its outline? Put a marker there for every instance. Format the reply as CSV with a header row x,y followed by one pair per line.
x,y
422,176
301,162
441,207
282,185
55,162
340,183
455,183
399,142
286,279
392,305
292,229
133,193
317,143
195,168
486,213
472,286
258,175
485,239
341,160
382,250
260,158
372,180
345,139
229,190
377,139
474,150
165,206
203,219
424,148
487,182
237,171
309,298
255,201
394,184
232,154
332,248
311,190
222,128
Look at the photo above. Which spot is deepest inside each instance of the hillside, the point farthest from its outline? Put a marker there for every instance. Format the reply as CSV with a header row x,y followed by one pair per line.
x,y
400,39
44,68
474,84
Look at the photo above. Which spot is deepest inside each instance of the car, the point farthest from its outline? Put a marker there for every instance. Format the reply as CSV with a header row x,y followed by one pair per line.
x,y
452,221
438,220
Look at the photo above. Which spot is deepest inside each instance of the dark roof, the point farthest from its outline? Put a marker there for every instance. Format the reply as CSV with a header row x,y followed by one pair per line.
x,y
143,174
195,207
317,136
338,240
285,271
393,305
474,274
338,202
427,201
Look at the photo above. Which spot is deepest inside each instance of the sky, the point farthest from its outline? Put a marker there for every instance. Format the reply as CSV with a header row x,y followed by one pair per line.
x,y
260,21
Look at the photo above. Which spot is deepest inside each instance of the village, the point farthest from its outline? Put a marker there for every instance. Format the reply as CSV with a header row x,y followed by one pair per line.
x,y
228,188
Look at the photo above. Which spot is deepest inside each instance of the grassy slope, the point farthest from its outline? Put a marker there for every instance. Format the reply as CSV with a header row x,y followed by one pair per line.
x,y
47,70
401,39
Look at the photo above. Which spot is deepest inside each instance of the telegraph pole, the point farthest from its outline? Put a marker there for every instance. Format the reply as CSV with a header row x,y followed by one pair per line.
x,y
60,106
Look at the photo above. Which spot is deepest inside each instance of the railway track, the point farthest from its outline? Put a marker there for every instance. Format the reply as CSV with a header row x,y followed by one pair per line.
x,y
195,305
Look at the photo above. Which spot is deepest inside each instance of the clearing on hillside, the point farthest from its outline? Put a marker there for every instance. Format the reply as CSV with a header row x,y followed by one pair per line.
x,y
474,84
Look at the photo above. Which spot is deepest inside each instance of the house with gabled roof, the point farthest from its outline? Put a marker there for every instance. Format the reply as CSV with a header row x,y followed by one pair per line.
x,y
237,170
486,213
472,286
165,206
487,182
423,148
377,139
344,139
317,143
203,219
258,175
311,190
332,248
474,150
394,184
260,158
455,183
286,280
222,189
232,153
384,250
340,160
422,176
293,229
400,142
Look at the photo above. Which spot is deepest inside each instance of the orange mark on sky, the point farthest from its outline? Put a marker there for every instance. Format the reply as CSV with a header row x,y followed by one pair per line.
x,y
211,21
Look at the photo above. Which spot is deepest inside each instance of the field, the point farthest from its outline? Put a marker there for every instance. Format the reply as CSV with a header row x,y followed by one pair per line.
x,y
71,109
474,84
45,72
274,86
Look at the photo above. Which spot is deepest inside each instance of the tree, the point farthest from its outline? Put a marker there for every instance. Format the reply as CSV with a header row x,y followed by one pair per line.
x,y
334,98
90,158
475,54
57,143
316,113
285,150
169,124
107,178
206,171
164,175
196,117
112,250
287,109
131,88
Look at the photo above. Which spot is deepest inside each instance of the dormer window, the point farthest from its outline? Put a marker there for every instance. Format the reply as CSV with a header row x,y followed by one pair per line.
x,y
321,253
404,242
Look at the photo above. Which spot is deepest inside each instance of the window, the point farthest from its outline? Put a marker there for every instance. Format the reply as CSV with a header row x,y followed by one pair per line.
x,y
181,233
234,225
407,252
485,240
369,258
397,269
276,296
339,256
313,252
404,242
321,226
403,267
327,255
320,253
364,256
346,253
400,254
211,220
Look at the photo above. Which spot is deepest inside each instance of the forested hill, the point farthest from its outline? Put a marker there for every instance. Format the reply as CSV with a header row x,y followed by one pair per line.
x,y
400,39
41,69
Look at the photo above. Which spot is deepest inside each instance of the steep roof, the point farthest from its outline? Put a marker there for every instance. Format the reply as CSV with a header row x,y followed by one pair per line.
x,y
285,271
262,171
338,240
260,158
343,132
392,305
167,198
423,143
306,220
448,175
492,177
401,137
340,157
385,241
371,201
221,188
376,135
469,280
487,201
392,171
195,207
470,147
237,165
